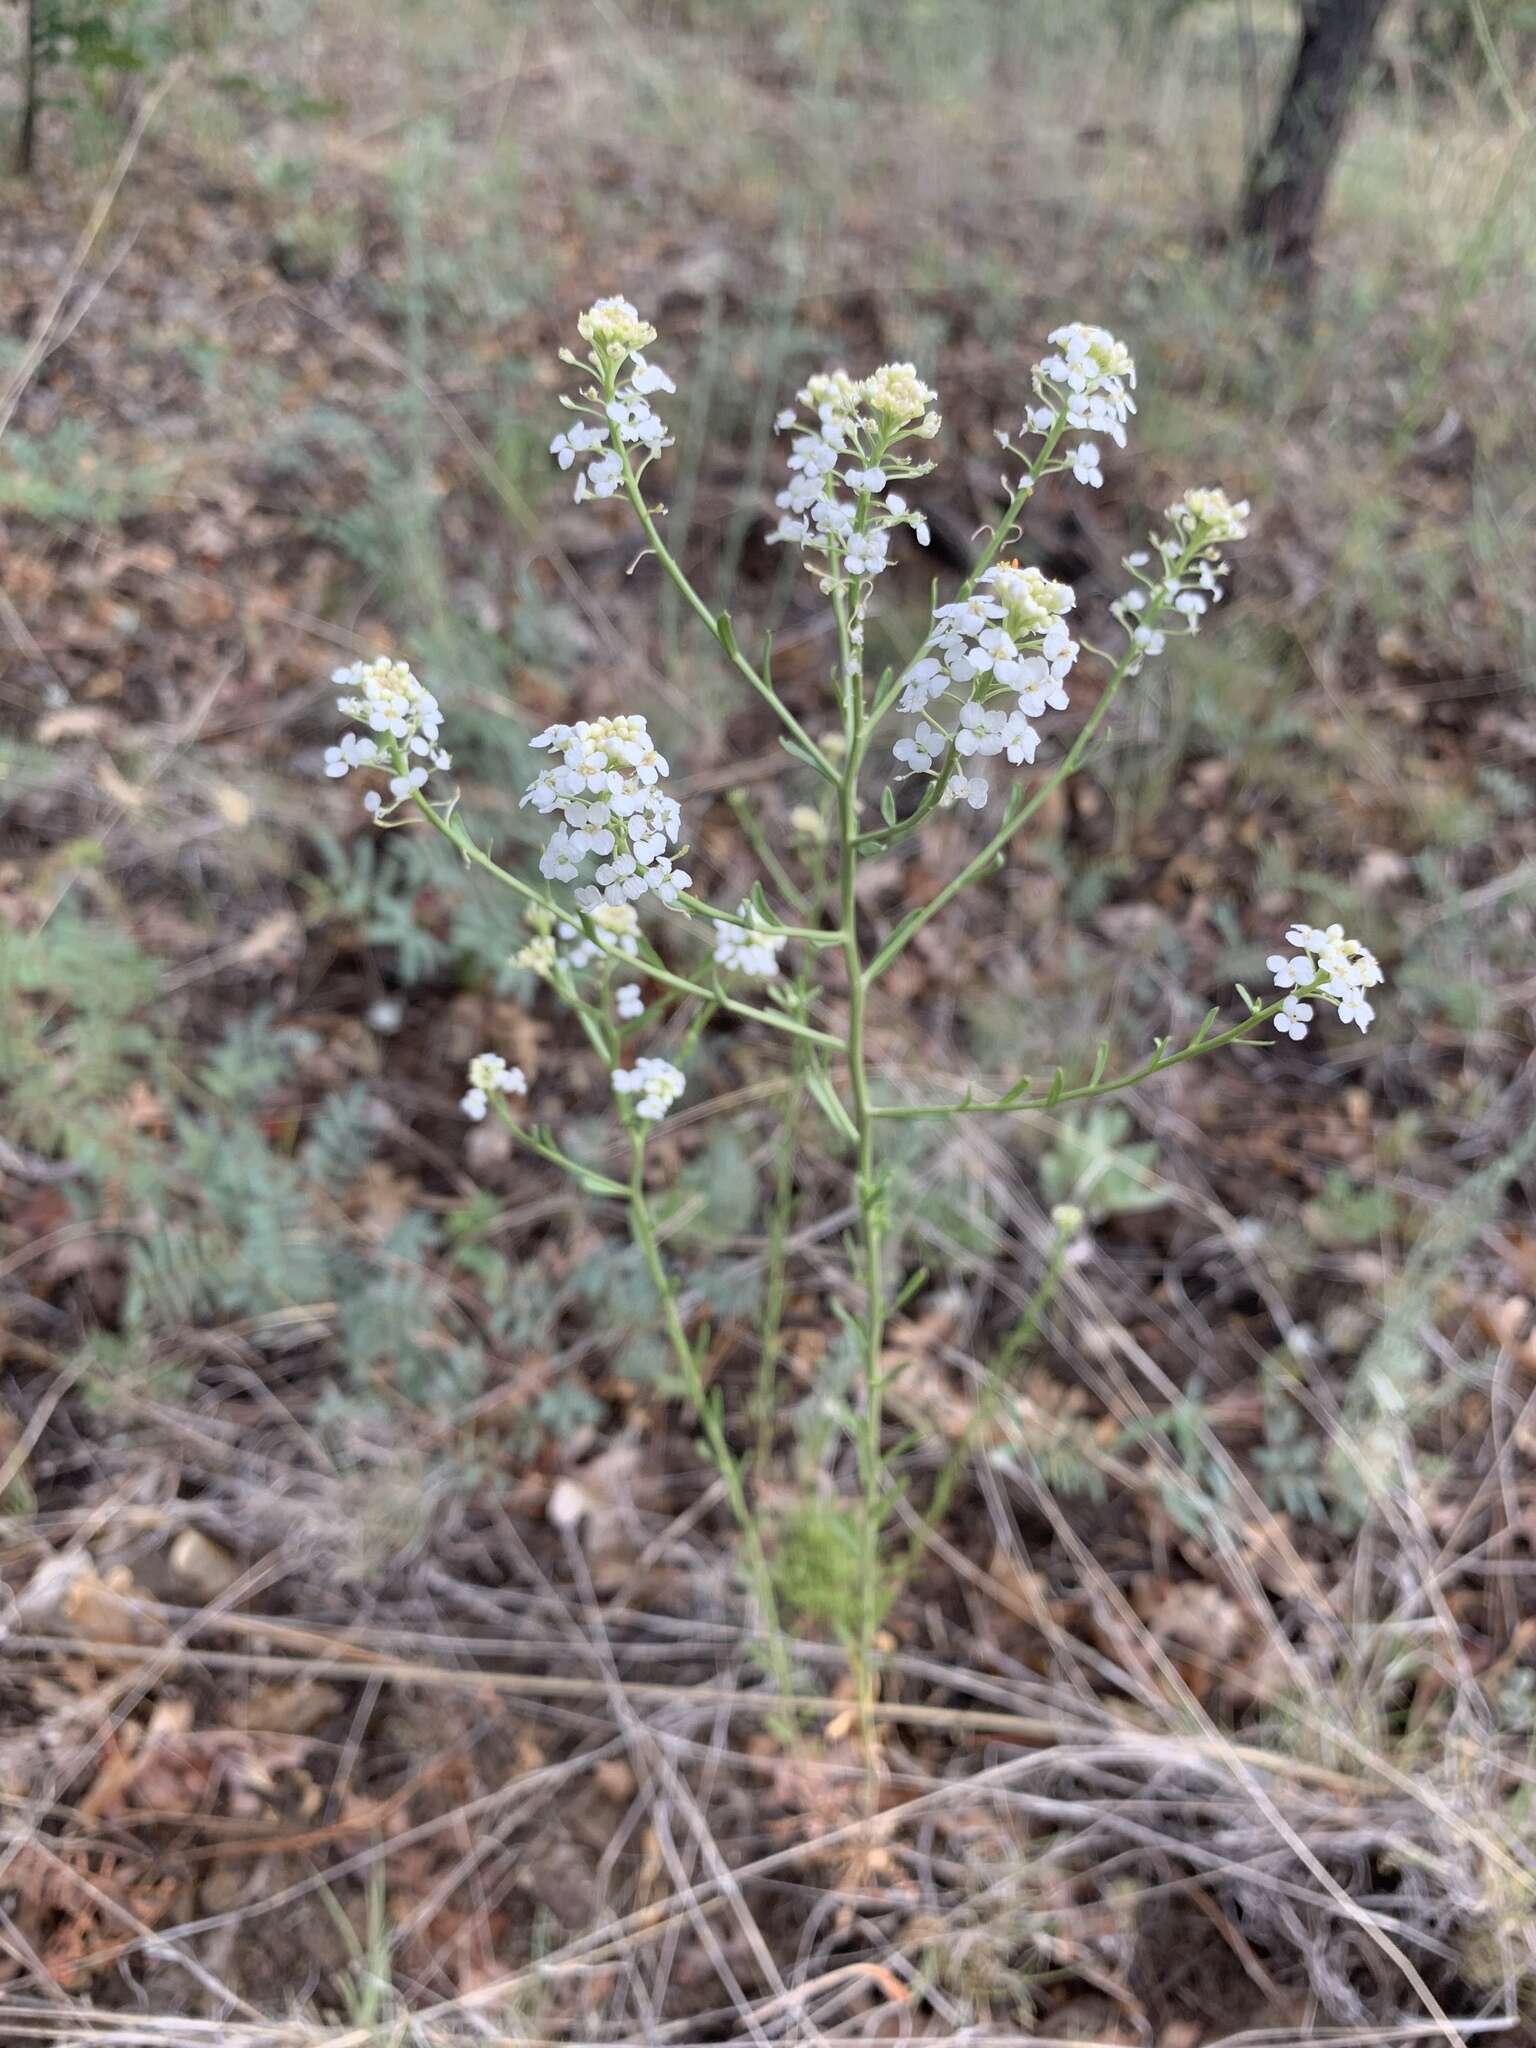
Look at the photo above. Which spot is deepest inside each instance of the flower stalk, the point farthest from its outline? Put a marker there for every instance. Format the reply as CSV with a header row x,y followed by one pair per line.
x,y
614,914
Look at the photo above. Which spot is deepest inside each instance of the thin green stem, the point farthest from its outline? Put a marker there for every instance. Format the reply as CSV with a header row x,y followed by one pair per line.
x,y
776,1019
868,1196
988,555
719,627
1090,1091
807,934
643,1230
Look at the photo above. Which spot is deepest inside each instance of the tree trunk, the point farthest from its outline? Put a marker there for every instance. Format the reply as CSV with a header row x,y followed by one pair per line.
x,y
1288,179
26,134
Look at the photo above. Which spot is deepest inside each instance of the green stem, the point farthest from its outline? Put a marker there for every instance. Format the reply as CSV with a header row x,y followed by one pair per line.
x,y
807,934
988,555
1090,1091
719,628
868,1199
643,1230
776,1019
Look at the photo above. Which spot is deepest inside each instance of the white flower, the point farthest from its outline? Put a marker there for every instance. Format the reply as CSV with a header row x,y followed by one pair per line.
x,y
871,480
1020,740
1085,464
614,328
490,1075
352,751
490,1072
600,479
832,396
636,421
656,1083
1094,377
795,531
865,554
1211,514
649,377
538,956
576,440
923,748
1293,973
1031,602
1294,1018
927,679
966,789
896,395
617,334
1037,685
385,696
629,1002
748,951
981,731
1344,968
896,506
620,925
603,786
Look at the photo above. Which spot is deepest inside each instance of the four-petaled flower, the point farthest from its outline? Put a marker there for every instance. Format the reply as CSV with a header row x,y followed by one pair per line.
x,y
1294,1018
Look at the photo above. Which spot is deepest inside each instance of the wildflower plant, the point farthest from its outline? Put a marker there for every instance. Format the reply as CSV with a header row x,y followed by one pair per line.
x,y
641,962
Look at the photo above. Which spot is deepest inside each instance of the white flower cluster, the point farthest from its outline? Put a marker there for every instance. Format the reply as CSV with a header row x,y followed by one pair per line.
x,y
655,1085
614,329
1187,577
388,699
605,790
618,925
1329,965
1089,382
755,951
1005,651
849,445
621,410
490,1075
1209,515
1086,386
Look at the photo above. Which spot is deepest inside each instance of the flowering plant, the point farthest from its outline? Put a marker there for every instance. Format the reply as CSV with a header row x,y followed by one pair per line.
x,y
622,941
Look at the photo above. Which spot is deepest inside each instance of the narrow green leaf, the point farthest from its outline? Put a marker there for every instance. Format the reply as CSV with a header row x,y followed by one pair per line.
x,y
913,1285
826,1099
